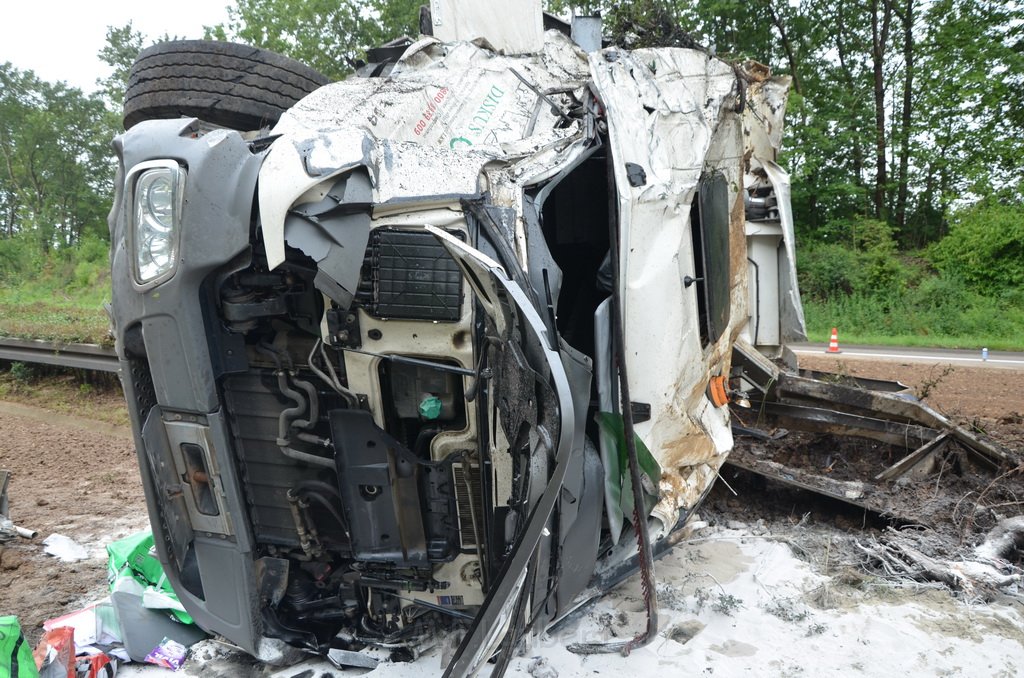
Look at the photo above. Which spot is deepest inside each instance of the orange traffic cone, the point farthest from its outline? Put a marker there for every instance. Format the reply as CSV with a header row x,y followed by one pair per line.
x,y
833,343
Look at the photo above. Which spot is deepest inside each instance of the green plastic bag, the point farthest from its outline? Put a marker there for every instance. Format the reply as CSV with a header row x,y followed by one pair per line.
x,y
135,557
15,655
618,484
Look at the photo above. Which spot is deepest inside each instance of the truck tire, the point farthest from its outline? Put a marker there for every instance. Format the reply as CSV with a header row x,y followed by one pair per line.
x,y
223,83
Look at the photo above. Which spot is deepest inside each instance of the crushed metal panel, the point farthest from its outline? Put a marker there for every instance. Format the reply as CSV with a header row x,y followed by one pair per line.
x,y
451,120
665,108
458,96
763,119
511,27
792,322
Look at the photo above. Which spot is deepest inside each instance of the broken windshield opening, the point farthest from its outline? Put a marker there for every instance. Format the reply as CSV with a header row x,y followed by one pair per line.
x,y
575,225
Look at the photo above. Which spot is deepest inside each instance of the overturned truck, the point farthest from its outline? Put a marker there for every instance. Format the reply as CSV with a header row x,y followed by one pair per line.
x,y
443,345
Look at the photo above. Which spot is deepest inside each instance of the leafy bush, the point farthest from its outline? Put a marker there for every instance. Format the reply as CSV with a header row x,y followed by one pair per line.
x,y
868,265
968,291
940,309
21,373
830,271
57,296
92,249
985,247
20,258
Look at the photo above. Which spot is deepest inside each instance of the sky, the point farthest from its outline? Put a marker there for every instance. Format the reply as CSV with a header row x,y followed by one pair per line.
x,y
59,39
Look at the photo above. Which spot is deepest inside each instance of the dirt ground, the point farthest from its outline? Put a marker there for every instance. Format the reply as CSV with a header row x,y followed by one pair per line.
x,y
76,476
72,476
991,397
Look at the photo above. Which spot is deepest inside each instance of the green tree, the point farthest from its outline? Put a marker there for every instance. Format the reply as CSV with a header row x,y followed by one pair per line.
x,y
328,35
122,47
55,177
972,142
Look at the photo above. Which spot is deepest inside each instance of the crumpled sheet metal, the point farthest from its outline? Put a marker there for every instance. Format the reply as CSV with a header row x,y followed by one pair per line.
x,y
791,310
664,108
763,121
456,120
457,96
446,117
764,117
517,29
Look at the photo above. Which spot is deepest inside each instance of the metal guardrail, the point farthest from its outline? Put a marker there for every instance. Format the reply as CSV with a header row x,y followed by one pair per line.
x,y
79,356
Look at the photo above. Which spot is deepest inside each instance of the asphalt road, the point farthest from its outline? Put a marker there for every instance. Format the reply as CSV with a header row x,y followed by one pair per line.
x,y
996,359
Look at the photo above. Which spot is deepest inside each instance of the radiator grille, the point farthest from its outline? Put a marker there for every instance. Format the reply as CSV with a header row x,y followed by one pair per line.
x,y
253,404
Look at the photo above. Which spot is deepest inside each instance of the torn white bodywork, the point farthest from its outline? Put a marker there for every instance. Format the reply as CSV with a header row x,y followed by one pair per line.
x,y
457,120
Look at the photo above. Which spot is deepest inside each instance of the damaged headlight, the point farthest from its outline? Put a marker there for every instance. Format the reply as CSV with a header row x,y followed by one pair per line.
x,y
155,189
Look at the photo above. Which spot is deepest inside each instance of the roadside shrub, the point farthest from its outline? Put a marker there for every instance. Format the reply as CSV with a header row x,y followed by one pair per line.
x,y
92,249
985,247
21,372
865,262
19,259
883,271
829,270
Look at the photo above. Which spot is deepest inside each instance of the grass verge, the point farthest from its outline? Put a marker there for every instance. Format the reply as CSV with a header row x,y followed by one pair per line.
x,y
968,324
55,322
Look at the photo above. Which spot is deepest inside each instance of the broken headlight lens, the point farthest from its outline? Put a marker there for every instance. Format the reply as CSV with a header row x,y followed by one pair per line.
x,y
156,190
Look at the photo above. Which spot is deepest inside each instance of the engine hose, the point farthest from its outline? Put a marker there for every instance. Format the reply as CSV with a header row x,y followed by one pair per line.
x,y
287,420
315,460
314,404
319,486
332,379
270,353
313,439
287,415
320,499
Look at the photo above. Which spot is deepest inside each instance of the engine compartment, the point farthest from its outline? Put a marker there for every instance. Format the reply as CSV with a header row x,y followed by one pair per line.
x,y
360,455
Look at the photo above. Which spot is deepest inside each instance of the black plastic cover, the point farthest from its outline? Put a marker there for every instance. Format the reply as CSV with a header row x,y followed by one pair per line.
x,y
413,277
380,490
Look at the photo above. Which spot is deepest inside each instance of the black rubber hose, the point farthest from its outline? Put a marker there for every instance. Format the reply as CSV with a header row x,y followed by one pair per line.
x,y
314,404
320,499
288,414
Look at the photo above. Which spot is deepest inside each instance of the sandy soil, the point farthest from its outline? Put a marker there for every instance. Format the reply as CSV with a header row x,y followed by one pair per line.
x,y
757,592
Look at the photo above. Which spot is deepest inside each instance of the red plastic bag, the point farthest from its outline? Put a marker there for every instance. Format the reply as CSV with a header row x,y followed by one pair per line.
x,y
55,653
96,666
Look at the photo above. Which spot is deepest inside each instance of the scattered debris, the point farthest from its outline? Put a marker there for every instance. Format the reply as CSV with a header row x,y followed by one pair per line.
x,y
8,530
872,444
727,604
55,653
169,653
684,632
133,567
144,629
64,548
94,624
994,566
95,665
540,668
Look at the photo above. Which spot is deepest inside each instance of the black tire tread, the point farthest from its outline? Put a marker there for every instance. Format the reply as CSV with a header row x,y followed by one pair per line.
x,y
252,91
223,83
144,69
